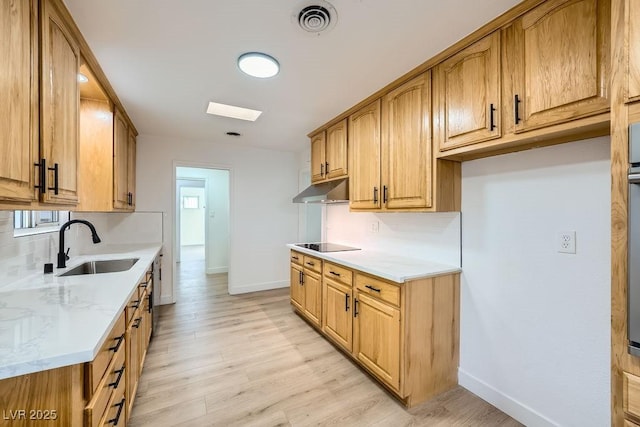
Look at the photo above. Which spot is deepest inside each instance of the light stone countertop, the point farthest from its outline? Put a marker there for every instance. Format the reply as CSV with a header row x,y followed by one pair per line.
x,y
395,268
48,322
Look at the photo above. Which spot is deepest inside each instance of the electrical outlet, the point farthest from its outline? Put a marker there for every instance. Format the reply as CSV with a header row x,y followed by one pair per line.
x,y
375,226
567,242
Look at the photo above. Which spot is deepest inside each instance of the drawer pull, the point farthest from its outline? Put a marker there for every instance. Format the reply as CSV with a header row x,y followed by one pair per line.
x,y
311,264
118,340
346,302
334,273
137,322
120,406
294,257
135,304
120,372
372,288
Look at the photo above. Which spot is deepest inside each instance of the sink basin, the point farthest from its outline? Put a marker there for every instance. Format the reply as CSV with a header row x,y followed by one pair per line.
x,y
102,266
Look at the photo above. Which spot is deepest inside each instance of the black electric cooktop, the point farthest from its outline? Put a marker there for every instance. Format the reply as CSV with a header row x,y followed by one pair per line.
x,y
326,247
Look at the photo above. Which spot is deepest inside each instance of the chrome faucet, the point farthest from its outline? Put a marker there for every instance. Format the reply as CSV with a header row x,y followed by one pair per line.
x,y
62,255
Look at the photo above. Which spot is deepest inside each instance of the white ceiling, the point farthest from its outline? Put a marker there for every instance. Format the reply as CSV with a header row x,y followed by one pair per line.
x,y
167,59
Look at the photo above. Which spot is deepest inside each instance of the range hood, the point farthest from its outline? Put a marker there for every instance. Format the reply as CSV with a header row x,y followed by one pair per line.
x,y
327,192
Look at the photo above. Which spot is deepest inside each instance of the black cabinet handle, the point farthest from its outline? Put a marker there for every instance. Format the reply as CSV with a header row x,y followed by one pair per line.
x,y
355,308
120,406
302,278
334,273
321,169
384,194
299,277
375,194
310,263
294,257
42,176
346,302
492,110
118,343
372,288
55,178
150,302
516,109
326,168
135,304
120,372
137,322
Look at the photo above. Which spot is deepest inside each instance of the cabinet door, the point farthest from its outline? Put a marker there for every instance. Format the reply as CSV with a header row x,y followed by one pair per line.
x,y
132,358
312,296
19,91
467,95
633,43
406,145
336,155
318,157
60,106
120,162
562,47
376,341
364,157
338,321
131,169
296,287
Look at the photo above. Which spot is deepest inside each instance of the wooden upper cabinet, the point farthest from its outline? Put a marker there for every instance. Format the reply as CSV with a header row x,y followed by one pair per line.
x,y
131,168
60,106
364,157
120,162
19,91
466,97
559,56
632,10
318,157
406,145
336,151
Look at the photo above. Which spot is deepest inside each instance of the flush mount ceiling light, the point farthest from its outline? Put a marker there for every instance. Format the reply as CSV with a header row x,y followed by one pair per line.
x,y
232,111
82,78
258,64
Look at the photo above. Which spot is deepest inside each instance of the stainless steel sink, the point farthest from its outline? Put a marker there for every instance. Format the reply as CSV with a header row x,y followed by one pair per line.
x,y
102,266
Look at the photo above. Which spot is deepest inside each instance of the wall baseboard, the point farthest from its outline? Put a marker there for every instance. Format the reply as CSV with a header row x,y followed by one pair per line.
x,y
166,299
505,403
217,270
245,289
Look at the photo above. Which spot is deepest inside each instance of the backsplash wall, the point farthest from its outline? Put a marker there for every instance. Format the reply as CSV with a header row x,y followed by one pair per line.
x,y
19,254
430,236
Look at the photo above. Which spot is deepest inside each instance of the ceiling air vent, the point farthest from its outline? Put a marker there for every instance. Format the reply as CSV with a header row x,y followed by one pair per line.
x,y
316,17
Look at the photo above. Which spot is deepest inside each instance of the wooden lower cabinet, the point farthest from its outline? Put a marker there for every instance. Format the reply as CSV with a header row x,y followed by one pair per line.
x,y
377,338
406,335
306,287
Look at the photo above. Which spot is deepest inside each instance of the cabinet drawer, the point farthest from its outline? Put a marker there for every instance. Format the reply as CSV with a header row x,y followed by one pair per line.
x,y
112,383
132,306
99,365
628,423
115,414
313,264
378,288
631,394
338,273
296,257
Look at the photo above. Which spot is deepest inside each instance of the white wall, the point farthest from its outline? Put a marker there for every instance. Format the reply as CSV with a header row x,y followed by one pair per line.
x,y
262,217
192,220
535,324
430,236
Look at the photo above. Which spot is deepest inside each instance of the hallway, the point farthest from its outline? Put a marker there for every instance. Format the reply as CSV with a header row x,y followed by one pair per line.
x,y
249,360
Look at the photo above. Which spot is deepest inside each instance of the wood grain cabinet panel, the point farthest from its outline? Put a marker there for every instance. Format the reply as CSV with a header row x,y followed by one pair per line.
x,y
59,106
365,157
336,164
632,19
559,55
337,317
467,99
312,285
377,338
631,394
19,91
296,287
318,157
406,145
120,162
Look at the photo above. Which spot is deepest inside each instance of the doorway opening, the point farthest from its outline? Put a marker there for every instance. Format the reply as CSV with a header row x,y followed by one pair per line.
x,y
202,206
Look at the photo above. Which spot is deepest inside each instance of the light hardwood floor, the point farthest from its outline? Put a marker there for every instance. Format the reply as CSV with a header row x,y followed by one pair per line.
x,y
221,360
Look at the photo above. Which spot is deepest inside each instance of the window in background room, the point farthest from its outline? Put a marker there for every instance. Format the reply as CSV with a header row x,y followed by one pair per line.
x,y
26,223
191,202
